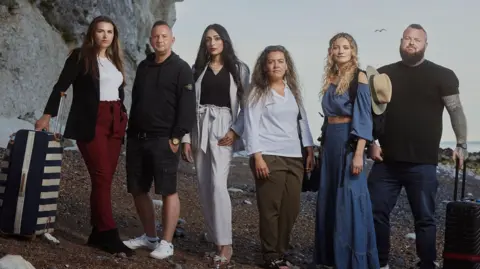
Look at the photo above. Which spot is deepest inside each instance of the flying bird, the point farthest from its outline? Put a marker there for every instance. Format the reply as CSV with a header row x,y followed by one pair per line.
x,y
381,30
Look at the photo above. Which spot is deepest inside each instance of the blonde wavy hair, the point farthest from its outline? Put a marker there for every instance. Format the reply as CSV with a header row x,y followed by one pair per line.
x,y
260,85
346,73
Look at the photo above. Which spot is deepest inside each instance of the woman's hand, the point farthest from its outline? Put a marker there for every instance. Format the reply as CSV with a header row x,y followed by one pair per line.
x,y
187,153
261,168
43,123
357,164
310,160
228,139
357,161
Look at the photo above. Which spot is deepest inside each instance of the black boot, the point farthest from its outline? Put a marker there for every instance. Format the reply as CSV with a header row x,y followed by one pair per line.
x,y
109,241
93,238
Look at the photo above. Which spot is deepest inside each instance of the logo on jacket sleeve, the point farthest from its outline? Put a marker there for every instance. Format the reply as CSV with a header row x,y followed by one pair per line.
x,y
189,87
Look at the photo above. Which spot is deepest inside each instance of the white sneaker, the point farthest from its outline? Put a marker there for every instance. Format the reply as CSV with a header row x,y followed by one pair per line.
x,y
385,267
163,250
140,242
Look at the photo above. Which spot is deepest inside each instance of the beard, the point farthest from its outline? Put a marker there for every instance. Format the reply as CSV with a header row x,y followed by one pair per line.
x,y
412,58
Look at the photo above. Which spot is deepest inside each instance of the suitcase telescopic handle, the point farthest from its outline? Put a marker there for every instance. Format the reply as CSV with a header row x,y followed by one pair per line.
x,y
60,115
464,177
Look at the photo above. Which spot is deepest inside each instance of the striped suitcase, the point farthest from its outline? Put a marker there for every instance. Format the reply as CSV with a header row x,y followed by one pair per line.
x,y
30,181
462,231
29,193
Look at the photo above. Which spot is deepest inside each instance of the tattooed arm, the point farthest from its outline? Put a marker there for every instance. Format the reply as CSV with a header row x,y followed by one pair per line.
x,y
459,125
449,92
457,117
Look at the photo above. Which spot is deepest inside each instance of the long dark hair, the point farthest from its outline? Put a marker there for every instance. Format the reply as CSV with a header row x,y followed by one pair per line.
x,y
230,60
89,50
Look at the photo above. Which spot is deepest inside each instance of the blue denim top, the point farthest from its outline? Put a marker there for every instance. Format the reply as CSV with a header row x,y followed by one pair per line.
x,y
334,104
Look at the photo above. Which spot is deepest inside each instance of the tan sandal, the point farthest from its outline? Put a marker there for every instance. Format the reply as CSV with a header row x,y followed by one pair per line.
x,y
222,262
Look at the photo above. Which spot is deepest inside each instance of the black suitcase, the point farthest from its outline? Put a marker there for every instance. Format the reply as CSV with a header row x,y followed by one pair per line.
x,y
30,181
462,230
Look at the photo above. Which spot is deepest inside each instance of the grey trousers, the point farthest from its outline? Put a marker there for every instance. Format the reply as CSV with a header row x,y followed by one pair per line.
x,y
212,163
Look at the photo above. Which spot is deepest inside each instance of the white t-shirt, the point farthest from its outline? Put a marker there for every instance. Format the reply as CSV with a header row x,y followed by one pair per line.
x,y
110,80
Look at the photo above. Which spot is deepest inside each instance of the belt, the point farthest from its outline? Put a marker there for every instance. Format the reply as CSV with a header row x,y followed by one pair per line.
x,y
208,112
145,136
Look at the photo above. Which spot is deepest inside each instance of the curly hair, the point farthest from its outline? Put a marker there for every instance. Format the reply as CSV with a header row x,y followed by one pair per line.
x,y
346,73
260,84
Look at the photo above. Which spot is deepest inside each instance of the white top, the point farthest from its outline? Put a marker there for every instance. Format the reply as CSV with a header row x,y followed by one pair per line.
x,y
110,80
271,126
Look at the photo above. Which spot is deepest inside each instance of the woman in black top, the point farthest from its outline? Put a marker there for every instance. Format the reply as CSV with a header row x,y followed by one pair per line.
x,y
221,79
97,120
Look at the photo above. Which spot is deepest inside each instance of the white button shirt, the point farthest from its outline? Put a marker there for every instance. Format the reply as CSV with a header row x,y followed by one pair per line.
x,y
272,126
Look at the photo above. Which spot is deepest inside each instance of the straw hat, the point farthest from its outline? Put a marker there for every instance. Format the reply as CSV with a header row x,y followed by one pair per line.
x,y
380,88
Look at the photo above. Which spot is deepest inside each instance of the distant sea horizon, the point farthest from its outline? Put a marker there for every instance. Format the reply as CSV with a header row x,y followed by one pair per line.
x,y
473,146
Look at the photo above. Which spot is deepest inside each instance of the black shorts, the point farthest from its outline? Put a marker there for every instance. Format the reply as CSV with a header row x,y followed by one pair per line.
x,y
151,160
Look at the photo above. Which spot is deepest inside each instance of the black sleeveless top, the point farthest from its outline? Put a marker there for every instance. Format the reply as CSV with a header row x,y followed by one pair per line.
x,y
216,88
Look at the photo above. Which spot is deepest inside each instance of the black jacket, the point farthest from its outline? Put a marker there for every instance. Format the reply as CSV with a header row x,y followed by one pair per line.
x,y
82,118
163,98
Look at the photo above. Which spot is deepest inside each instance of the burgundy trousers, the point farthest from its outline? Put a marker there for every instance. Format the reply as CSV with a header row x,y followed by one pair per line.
x,y
101,158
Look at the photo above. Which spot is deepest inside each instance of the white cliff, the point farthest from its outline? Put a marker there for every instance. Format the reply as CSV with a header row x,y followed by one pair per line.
x,y
36,37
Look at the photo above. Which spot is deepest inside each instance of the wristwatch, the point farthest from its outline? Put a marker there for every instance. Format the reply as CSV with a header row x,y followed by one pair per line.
x,y
462,145
175,141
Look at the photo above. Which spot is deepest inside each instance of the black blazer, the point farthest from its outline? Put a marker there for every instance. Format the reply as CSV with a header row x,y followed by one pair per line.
x,y
82,118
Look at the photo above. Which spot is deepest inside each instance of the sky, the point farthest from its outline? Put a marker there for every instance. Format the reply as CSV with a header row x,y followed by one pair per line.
x,y
304,27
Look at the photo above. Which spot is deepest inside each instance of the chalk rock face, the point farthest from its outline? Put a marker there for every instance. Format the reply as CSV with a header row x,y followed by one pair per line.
x,y
15,262
37,35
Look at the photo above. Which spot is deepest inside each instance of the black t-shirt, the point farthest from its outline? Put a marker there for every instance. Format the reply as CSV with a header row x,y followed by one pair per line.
x,y
216,88
413,123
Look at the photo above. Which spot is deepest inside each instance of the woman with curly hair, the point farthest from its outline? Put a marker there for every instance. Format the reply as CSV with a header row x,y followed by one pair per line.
x,y
275,125
344,234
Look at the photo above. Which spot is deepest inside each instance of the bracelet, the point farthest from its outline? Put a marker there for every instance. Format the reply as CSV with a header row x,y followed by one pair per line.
x,y
462,145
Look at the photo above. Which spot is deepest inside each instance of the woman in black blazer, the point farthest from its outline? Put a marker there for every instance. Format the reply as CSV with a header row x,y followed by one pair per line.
x,y
97,120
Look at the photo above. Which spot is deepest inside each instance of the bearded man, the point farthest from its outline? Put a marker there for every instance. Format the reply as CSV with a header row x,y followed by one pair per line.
x,y
406,153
